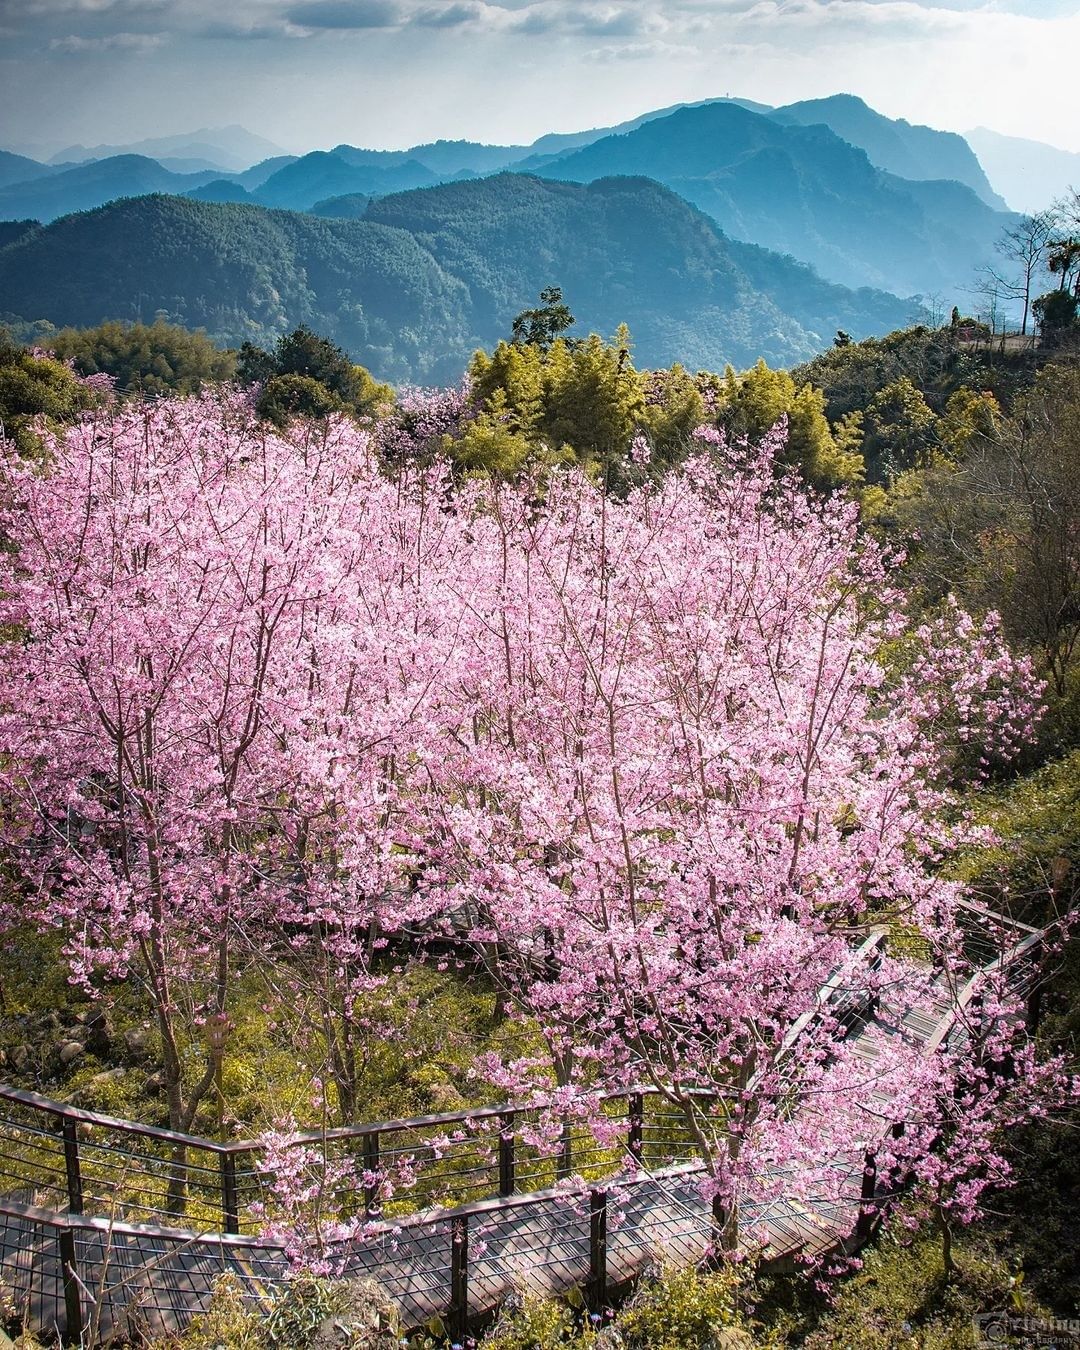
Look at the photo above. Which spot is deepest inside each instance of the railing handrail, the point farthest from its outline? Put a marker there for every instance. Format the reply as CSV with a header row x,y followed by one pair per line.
x,y
100,1223
82,1115
462,1117
827,990
79,1114
1005,920
374,1227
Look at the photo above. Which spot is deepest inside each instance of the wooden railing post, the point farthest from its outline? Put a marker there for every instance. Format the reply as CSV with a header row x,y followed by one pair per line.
x,y
895,1178
598,1249
371,1166
873,1003
635,1105
564,1162
507,1177
73,1315
867,1212
459,1278
72,1166
230,1209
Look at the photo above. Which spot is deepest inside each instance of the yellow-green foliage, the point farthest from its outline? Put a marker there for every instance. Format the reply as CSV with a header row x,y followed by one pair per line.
x,y
752,403
673,408
900,1299
1036,820
34,388
675,1310
540,1324
900,430
967,414
423,1031
157,358
587,398
580,400
427,1028
228,1321
683,1308
584,395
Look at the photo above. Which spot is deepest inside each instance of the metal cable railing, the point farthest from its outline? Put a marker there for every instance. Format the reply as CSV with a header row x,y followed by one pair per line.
x,y
108,1220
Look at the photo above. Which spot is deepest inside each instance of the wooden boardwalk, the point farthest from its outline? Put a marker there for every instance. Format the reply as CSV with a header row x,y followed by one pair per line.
x,y
72,1270
143,1277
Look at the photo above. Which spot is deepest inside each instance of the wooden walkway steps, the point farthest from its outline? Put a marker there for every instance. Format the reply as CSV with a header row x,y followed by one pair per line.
x,y
70,1271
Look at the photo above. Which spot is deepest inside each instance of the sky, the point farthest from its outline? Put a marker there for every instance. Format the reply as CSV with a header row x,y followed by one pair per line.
x,y
390,73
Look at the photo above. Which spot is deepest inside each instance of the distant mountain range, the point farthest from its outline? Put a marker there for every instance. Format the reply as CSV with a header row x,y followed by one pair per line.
x,y
229,148
867,200
427,276
877,206
83,186
803,190
1030,174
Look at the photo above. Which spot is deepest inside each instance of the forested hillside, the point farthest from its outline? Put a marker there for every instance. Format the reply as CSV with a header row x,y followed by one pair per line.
x,y
428,276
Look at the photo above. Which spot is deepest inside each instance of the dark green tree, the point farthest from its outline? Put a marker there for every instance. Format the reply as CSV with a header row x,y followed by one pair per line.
x,y
36,391
541,326
287,396
254,365
309,376
303,352
1057,316
157,358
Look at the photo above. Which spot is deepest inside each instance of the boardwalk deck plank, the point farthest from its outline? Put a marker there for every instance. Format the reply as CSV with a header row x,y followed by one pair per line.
x,y
537,1242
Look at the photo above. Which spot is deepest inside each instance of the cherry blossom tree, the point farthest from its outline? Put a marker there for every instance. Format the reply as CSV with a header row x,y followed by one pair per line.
x,y
221,646
688,788
671,761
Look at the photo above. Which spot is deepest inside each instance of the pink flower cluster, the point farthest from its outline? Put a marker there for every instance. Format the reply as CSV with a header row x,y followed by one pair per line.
x,y
644,753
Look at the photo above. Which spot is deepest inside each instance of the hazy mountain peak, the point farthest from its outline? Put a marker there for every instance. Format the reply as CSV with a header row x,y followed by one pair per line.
x,y
232,147
19,169
1029,174
899,147
807,191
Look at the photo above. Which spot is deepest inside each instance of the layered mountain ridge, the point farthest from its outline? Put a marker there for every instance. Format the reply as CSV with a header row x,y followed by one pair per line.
x,y
427,276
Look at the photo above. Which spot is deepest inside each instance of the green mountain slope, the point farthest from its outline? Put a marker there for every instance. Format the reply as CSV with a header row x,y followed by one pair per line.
x,y
88,185
628,250
241,272
429,275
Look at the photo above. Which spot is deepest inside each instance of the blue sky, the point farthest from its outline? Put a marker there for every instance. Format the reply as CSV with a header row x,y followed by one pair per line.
x,y
388,73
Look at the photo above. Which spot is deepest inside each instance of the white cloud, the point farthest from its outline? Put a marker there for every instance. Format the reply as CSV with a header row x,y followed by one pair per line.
x,y
390,72
110,42
347,15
